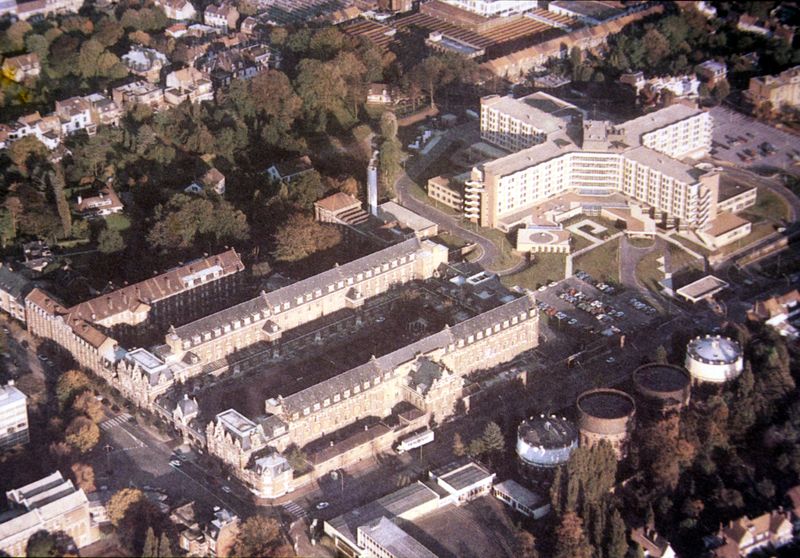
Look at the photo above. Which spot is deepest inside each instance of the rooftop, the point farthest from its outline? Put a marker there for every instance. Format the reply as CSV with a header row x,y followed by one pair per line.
x,y
606,404
466,476
391,211
715,350
702,288
662,377
394,540
662,118
10,394
547,432
520,494
530,109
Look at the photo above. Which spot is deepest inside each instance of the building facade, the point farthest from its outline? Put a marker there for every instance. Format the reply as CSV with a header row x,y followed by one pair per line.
x,y
778,90
13,417
50,504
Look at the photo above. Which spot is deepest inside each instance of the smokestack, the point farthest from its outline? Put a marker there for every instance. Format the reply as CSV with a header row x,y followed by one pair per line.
x,y
372,185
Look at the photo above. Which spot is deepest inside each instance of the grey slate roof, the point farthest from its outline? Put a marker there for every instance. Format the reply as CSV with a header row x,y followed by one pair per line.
x,y
13,283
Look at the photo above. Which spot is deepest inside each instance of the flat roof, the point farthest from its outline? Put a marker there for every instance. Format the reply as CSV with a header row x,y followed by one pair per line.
x,y
394,540
526,109
394,211
725,223
662,377
467,476
606,404
702,288
520,494
672,114
664,164
10,394
548,432
236,422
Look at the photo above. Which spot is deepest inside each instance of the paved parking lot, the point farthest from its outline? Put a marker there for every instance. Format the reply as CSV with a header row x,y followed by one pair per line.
x,y
576,303
750,134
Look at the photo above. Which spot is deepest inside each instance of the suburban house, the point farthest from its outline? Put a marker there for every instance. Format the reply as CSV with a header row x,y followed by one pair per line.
x,y
22,67
286,171
105,203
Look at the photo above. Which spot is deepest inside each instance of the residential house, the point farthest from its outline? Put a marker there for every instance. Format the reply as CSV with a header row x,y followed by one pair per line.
x,y
249,25
13,289
49,504
712,71
214,538
22,67
745,536
653,545
105,203
223,16
104,111
188,84
145,62
37,255
286,171
30,8
752,24
138,93
47,129
781,312
176,30
213,180
75,114
177,9
379,94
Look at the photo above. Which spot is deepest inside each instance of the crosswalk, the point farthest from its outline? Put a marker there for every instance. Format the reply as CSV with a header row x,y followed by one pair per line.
x,y
116,421
295,510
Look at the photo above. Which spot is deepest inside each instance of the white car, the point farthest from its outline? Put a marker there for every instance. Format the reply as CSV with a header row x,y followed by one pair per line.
x,y
322,505
175,463
226,489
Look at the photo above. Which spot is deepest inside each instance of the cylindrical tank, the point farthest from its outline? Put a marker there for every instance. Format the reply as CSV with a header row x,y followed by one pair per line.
x,y
714,359
546,442
606,414
665,385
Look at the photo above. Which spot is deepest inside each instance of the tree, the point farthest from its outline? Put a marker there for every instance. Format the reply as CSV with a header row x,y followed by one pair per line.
x,y
83,474
25,152
326,43
69,384
493,439
43,544
657,47
305,189
164,546
110,241
56,179
121,503
388,125
108,32
389,161
458,445
8,226
185,220
260,537
526,545
322,88
476,448
87,404
617,542
297,459
150,548
82,434
14,37
721,90
302,236
571,541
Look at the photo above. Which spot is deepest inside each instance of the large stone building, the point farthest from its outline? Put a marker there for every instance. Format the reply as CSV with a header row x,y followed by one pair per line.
x,y
50,504
427,374
779,90
132,315
557,152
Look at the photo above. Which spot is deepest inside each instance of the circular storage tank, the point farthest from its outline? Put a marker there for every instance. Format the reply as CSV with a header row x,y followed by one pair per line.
x,y
665,384
713,359
605,414
546,441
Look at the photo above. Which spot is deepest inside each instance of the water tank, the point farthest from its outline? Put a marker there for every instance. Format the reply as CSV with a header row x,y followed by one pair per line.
x,y
546,441
663,385
713,359
606,414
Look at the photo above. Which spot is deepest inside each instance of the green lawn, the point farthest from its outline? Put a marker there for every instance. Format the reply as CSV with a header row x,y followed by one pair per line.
x,y
508,257
648,272
769,207
118,221
601,263
579,242
450,240
543,269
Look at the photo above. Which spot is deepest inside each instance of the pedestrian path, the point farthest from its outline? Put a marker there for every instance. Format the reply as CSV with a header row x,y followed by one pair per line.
x,y
116,421
295,510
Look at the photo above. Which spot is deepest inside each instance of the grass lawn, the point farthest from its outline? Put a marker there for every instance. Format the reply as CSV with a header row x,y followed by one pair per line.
x,y
579,242
759,231
601,263
118,221
648,272
544,268
694,247
769,207
450,240
508,257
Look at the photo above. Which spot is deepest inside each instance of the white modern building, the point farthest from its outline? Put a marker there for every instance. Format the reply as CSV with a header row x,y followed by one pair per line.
x,y
495,8
714,359
13,417
649,160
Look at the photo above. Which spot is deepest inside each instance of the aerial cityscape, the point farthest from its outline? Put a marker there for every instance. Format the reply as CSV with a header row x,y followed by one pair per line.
x,y
400,278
